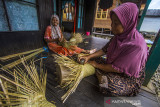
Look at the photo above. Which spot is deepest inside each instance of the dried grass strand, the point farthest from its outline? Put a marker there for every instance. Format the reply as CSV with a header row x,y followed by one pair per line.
x,y
8,57
77,73
27,93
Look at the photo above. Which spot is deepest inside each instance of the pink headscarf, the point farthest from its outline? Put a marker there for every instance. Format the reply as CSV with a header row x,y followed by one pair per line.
x,y
127,52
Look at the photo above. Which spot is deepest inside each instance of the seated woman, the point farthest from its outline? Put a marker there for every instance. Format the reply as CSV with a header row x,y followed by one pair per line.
x,y
122,74
53,35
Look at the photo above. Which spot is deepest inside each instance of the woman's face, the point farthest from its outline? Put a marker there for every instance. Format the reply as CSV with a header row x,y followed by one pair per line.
x,y
116,25
55,21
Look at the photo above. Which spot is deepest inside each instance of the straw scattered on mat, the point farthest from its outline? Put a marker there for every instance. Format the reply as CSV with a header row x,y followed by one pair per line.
x,y
8,57
13,64
24,87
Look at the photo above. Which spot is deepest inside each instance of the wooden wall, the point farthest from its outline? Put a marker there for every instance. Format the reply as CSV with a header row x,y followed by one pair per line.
x,y
90,11
45,12
59,9
19,41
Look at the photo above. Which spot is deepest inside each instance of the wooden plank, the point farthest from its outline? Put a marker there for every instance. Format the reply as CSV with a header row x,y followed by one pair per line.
x,y
102,23
6,13
92,92
90,11
53,93
93,42
78,99
103,34
16,42
153,60
143,14
92,80
145,102
148,95
148,89
51,96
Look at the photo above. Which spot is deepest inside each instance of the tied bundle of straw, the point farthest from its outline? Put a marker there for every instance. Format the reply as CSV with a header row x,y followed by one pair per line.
x,y
74,41
24,88
11,65
78,37
8,57
70,73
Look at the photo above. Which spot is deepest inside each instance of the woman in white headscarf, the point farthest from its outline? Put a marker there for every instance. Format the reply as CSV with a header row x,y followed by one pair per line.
x,y
53,35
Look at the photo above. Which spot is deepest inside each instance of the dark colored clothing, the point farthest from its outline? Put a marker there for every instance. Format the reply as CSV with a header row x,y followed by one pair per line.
x,y
105,4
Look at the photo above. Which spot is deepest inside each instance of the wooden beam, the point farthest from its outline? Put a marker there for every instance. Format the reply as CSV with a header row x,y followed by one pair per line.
x,y
6,13
153,60
75,9
143,14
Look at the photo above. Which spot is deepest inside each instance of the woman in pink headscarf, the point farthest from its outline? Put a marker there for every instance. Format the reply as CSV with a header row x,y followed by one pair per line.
x,y
123,72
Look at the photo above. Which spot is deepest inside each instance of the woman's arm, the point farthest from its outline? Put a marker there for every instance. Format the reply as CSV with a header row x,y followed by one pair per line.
x,y
104,67
107,68
94,55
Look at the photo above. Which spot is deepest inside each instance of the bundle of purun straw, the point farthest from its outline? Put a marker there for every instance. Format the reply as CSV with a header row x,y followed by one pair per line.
x,y
70,73
24,87
8,57
33,54
74,41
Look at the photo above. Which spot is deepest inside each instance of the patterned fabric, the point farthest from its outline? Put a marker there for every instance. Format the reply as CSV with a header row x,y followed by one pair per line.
x,y
120,84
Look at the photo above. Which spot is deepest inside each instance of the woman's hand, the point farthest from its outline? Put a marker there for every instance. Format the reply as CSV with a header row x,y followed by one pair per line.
x,y
64,40
61,39
86,58
93,63
73,48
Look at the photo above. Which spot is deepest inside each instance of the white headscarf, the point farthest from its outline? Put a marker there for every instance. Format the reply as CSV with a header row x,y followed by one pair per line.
x,y
55,30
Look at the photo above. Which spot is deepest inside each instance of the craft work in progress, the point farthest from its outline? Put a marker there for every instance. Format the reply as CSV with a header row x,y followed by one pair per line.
x,y
24,87
70,73
74,41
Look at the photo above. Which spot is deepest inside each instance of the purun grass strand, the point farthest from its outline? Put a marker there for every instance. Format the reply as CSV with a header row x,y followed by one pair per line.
x,y
8,57
27,93
71,73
